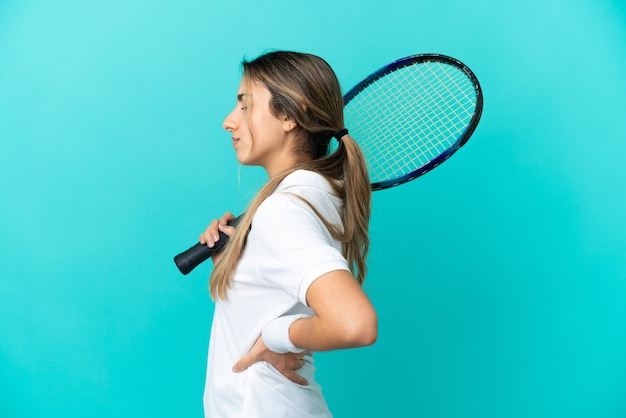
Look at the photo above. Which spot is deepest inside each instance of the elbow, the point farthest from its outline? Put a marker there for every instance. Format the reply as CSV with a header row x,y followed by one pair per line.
x,y
367,337
362,331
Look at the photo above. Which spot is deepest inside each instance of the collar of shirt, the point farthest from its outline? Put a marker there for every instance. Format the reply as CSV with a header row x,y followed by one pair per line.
x,y
304,178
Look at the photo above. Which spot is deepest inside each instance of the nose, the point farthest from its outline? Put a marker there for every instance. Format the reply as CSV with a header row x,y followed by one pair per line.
x,y
230,123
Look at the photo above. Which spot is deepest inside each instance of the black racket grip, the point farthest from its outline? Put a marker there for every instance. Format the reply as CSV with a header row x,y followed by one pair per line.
x,y
190,259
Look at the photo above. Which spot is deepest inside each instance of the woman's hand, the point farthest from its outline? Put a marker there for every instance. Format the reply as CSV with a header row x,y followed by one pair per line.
x,y
286,363
212,233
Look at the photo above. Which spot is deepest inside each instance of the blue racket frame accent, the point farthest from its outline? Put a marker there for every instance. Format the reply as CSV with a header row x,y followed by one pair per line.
x,y
462,139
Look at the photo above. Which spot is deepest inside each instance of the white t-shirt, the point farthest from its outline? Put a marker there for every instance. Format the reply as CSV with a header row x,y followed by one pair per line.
x,y
287,249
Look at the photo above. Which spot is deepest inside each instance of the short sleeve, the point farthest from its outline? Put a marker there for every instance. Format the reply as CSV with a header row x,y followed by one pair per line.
x,y
293,246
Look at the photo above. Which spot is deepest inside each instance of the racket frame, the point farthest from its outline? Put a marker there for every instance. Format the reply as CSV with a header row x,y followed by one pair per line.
x,y
463,137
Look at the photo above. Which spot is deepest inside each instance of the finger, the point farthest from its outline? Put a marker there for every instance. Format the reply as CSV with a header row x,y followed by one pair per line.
x,y
250,357
227,229
227,217
242,364
214,230
224,224
296,378
211,234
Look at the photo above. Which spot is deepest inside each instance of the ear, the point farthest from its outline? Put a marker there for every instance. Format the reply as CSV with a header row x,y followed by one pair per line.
x,y
289,124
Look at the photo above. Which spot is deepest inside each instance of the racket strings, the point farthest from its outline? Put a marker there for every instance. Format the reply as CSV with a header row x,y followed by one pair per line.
x,y
411,116
437,116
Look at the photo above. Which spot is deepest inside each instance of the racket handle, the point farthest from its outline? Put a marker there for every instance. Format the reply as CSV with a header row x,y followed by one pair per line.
x,y
190,259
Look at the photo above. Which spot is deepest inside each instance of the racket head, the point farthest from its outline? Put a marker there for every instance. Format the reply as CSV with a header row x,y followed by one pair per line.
x,y
412,115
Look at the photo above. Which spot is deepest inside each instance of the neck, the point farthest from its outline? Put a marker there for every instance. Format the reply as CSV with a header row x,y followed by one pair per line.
x,y
284,164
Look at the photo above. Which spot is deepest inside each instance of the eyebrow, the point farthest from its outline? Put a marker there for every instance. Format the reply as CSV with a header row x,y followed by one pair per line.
x,y
240,97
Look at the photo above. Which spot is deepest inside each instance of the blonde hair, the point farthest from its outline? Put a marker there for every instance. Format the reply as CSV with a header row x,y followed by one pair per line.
x,y
305,88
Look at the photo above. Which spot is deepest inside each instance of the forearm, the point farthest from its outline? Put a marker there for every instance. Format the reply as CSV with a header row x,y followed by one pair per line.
x,y
322,334
343,318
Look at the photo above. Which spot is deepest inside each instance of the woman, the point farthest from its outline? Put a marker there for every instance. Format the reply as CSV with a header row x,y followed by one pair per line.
x,y
288,282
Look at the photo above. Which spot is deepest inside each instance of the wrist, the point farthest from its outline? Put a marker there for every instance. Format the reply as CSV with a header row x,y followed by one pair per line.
x,y
275,335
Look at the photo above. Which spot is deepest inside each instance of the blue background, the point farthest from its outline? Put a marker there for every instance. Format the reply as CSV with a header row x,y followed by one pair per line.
x,y
499,278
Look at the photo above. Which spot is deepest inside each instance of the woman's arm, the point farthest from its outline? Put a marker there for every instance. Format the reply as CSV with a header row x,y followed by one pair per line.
x,y
344,316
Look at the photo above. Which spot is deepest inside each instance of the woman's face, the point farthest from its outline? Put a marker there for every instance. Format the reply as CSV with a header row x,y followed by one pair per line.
x,y
259,137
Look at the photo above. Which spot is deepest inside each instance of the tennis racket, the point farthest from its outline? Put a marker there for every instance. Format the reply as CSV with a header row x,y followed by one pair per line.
x,y
408,117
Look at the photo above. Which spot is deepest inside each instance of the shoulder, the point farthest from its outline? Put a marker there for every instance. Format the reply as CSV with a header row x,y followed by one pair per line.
x,y
284,208
301,198
305,180
310,186
299,192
